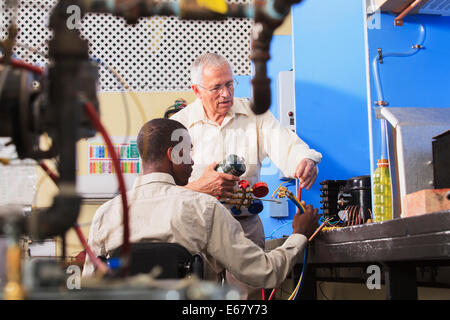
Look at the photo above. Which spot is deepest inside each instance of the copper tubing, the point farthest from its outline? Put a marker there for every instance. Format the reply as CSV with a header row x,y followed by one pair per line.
x,y
399,20
353,215
49,172
349,215
317,231
361,213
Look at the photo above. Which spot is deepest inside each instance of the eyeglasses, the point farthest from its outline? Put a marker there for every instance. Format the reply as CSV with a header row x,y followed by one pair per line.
x,y
218,89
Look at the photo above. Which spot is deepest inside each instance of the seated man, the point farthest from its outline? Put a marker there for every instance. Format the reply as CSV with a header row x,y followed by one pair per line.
x,y
161,210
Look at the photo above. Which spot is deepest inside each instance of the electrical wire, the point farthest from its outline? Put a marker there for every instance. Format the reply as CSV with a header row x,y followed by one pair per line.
x,y
31,49
123,94
49,174
126,88
92,114
321,291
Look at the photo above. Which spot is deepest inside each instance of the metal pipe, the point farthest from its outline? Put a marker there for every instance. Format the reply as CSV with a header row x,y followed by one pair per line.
x,y
69,56
399,20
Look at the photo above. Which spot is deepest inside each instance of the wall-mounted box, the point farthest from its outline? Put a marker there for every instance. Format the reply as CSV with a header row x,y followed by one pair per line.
x,y
279,210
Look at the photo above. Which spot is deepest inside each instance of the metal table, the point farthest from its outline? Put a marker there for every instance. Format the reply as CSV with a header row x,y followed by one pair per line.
x,y
399,246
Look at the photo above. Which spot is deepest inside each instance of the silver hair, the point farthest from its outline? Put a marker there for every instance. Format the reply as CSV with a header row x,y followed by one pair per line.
x,y
206,59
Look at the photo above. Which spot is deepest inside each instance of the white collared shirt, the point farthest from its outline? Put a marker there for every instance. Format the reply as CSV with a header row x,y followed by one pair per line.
x,y
160,211
253,137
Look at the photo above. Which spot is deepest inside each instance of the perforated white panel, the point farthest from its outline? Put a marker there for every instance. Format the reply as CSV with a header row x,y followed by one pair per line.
x,y
441,7
154,55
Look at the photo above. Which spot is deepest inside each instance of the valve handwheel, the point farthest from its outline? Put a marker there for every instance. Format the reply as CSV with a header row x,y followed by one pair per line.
x,y
244,184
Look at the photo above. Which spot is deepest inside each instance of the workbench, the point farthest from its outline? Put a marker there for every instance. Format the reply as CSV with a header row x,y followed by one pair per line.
x,y
397,246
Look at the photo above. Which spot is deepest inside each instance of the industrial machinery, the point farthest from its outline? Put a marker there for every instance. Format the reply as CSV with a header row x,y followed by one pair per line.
x,y
61,102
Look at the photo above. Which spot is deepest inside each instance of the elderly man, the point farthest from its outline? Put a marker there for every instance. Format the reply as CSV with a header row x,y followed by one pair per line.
x,y
162,211
220,124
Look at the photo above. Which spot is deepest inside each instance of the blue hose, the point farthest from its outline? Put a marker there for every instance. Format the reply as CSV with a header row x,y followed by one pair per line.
x,y
378,86
303,272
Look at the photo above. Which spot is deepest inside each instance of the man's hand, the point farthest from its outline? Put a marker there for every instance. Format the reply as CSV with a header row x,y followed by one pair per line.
x,y
306,223
214,183
306,172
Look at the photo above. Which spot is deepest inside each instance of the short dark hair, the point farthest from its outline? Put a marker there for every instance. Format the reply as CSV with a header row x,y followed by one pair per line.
x,y
155,137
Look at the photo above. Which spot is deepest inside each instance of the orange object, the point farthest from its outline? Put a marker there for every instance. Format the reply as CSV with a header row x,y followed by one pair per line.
x,y
13,289
426,201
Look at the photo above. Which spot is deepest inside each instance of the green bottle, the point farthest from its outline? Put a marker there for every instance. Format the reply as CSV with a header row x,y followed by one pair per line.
x,y
382,192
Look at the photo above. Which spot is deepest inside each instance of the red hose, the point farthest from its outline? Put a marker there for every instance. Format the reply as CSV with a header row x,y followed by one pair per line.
x,y
49,172
88,107
23,65
299,196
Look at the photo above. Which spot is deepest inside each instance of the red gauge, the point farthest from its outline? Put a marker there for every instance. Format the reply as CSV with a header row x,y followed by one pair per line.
x,y
260,189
